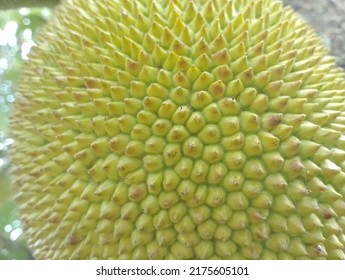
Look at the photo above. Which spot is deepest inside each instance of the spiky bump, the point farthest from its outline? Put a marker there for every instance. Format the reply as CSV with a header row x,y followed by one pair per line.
x,y
180,130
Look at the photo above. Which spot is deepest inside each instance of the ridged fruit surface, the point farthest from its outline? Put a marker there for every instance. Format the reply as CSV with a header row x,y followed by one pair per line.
x,y
180,130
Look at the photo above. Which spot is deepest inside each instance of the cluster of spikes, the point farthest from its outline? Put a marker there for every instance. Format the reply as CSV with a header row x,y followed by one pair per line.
x,y
180,130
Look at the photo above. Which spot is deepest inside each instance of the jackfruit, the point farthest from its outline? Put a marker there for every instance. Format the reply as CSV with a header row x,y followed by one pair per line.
x,y
160,129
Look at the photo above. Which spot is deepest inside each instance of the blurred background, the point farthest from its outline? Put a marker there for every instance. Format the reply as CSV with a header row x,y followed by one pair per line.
x,y
17,32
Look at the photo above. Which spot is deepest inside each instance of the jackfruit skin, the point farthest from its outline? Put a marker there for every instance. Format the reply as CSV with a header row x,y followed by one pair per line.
x,y
180,130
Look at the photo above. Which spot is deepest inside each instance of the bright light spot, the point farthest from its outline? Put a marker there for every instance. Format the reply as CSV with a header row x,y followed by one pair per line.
x,y
16,233
4,252
16,223
26,47
12,41
2,146
8,141
46,13
3,163
27,34
11,27
10,98
10,33
8,228
5,87
26,21
24,11
3,63
3,40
